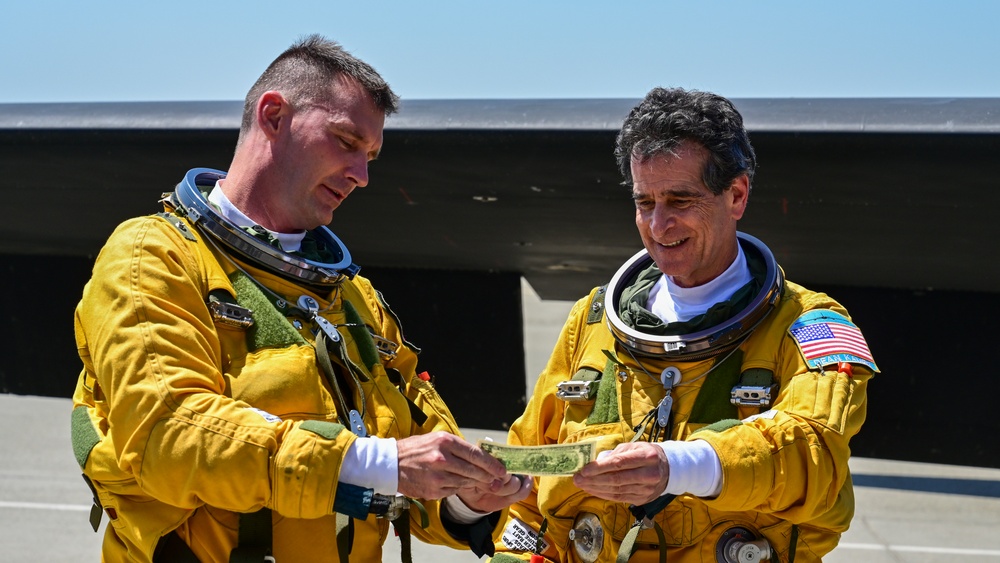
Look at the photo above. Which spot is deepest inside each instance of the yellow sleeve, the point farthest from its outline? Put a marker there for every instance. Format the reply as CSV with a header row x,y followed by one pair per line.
x,y
792,460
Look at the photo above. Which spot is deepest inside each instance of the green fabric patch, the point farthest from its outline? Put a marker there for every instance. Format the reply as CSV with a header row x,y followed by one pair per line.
x,y
720,426
713,402
328,430
597,306
84,435
270,327
606,405
505,558
359,330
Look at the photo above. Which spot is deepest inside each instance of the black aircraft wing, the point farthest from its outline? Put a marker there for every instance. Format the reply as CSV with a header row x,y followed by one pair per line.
x,y
884,203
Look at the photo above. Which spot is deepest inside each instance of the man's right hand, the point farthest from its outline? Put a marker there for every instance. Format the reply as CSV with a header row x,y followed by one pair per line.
x,y
437,465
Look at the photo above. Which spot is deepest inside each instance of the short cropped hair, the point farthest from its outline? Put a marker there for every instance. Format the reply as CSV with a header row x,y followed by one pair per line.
x,y
303,73
668,116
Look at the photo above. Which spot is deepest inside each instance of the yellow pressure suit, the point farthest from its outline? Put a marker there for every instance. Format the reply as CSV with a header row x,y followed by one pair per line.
x,y
784,471
182,422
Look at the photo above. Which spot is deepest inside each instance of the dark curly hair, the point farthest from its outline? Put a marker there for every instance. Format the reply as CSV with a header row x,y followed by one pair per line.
x,y
668,116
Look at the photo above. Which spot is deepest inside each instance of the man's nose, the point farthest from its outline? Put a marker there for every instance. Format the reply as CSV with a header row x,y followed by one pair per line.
x,y
661,220
358,172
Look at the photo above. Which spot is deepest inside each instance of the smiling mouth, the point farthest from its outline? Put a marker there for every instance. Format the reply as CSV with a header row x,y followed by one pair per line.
x,y
674,244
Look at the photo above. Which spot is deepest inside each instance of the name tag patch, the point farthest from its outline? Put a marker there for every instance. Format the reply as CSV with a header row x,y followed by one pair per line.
x,y
518,536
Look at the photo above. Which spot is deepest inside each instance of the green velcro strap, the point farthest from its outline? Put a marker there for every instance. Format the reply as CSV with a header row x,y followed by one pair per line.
x,y
757,377
179,224
720,426
425,519
597,306
606,405
352,500
713,402
84,435
328,430
270,327
588,374
359,330
628,544
505,558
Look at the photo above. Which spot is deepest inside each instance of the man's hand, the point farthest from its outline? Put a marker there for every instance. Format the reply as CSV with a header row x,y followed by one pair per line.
x,y
515,489
437,465
635,473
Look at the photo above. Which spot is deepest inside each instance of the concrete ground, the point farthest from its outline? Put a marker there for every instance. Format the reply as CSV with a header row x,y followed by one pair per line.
x,y
906,512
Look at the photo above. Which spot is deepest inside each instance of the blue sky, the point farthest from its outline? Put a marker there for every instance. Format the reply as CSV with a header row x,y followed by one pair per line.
x,y
62,51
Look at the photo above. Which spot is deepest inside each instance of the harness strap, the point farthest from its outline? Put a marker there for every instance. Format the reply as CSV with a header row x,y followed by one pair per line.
x,y
255,538
645,514
628,543
345,536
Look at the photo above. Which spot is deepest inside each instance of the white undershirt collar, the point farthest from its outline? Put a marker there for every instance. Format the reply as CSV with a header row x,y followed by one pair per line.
x,y
290,242
672,303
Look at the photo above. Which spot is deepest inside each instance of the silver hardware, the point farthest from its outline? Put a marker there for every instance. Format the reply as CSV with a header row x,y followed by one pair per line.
x,y
230,314
328,329
670,376
281,303
622,375
574,391
663,411
297,324
394,506
308,303
587,536
386,348
357,424
739,545
751,396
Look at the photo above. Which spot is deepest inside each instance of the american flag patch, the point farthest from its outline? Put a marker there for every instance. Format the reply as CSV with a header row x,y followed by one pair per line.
x,y
826,338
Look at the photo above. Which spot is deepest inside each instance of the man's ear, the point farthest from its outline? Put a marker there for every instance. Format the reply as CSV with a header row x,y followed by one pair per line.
x,y
739,194
273,111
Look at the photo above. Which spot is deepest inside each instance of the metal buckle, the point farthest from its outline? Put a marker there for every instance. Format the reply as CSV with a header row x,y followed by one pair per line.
x,y
752,396
388,507
230,314
574,391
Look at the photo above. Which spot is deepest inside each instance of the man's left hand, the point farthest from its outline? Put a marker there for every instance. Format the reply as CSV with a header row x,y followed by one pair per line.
x,y
635,473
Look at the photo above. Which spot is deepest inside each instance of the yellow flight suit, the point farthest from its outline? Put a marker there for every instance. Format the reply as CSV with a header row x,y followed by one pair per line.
x,y
786,467
182,423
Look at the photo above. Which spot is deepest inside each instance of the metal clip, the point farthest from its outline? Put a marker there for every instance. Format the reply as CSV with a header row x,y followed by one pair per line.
x,y
230,314
386,348
389,507
751,396
357,424
574,391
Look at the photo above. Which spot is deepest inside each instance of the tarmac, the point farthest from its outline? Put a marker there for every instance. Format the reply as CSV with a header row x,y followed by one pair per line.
x,y
906,512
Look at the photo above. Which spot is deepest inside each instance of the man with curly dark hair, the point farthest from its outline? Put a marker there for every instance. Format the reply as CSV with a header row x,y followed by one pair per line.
x,y
720,396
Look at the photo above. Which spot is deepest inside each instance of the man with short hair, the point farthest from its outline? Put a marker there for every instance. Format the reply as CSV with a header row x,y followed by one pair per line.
x,y
245,394
720,396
